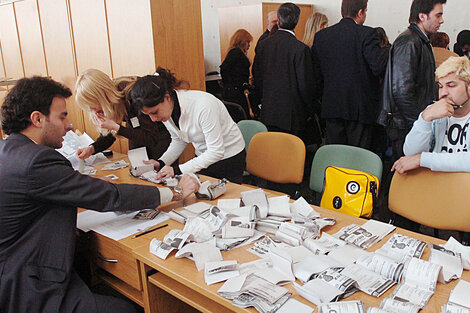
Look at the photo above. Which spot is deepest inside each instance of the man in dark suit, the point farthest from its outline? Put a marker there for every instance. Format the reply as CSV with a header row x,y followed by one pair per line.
x,y
348,65
271,20
283,72
39,196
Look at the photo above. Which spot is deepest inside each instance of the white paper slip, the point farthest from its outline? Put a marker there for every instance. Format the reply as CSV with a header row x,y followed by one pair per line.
x,y
228,204
256,197
461,294
160,249
364,236
116,226
216,272
367,281
293,305
457,247
395,306
198,207
303,208
138,156
355,306
346,254
400,248
233,284
317,291
312,265
451,263
279,206
324,244
281,272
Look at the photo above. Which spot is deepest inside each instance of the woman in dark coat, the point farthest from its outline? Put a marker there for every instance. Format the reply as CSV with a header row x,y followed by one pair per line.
x,y
235,70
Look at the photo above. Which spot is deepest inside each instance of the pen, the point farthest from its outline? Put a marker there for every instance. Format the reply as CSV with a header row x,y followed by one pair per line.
x,y
148,231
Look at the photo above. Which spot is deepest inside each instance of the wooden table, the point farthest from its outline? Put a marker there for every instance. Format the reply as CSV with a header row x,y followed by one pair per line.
x,y
157,284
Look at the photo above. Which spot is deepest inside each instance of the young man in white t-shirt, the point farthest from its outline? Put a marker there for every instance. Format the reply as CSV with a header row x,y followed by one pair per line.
x,y
438,139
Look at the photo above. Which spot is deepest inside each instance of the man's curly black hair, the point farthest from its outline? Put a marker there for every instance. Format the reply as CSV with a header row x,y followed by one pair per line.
x,y
28,95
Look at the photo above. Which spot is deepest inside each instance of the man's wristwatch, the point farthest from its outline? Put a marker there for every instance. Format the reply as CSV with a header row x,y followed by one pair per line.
x,y
177,193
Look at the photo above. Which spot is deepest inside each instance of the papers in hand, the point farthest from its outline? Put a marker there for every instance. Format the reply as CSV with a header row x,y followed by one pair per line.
x,y
137,158
366,235
216,272
72,142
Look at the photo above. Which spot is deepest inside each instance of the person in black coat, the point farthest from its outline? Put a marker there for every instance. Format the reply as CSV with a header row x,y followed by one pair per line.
x,y
348,65
39,196
282,71
235,70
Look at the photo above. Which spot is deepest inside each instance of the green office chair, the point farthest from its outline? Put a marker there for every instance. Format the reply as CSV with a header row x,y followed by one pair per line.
x,y
342,156
249,128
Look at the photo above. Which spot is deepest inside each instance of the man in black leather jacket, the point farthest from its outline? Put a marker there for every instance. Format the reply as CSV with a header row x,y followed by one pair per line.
x,y
409,84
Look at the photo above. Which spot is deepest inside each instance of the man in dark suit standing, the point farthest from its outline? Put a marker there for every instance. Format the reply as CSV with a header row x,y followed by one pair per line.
x,y
39,196
271,20
348,65
284,75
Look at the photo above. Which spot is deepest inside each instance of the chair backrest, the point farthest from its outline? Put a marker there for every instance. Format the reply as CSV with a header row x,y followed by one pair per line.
x,y
343,156
235,110
435,199
277,157
249,128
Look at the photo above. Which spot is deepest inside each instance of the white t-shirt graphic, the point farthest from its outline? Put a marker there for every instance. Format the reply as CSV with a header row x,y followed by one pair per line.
x,y
456,134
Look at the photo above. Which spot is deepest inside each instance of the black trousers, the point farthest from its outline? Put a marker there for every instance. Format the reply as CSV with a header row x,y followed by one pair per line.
x,y
353,133
109,304
231,168
397,139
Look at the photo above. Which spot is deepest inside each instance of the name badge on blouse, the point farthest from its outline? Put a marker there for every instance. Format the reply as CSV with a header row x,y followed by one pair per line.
x,y
135,122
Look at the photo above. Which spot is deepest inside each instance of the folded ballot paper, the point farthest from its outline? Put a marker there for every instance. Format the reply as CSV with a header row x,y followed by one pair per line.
x,y
138,167
216,272
464,251
355,306
365,235
459,301
450,261
281,271
329,285
250,290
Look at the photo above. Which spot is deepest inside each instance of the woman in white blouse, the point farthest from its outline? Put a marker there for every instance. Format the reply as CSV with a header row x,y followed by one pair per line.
x,y
195,117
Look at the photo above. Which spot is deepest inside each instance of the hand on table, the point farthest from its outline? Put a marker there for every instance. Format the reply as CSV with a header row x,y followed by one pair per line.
x,y
189,184
407,163
166,172
84,153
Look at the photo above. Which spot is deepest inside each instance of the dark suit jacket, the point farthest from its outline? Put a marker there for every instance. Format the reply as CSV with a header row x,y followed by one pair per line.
x,y
39,196
261,38
283,72
348,65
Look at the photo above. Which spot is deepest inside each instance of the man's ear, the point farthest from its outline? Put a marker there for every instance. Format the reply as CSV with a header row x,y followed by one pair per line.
x,y
422,16
37,118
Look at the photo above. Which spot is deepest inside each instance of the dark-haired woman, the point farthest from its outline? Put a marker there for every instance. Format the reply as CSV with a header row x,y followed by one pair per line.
x,y
195,117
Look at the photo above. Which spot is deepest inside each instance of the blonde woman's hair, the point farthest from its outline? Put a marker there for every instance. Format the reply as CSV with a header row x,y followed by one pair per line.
x,y
460,66
240,39
94,87
315,22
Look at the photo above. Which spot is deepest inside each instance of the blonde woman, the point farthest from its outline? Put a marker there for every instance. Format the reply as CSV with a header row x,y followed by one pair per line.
x,y
235,69
107,103
315,23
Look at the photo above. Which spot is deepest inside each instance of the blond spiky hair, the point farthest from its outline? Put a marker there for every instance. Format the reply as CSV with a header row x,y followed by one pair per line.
x,y
460,66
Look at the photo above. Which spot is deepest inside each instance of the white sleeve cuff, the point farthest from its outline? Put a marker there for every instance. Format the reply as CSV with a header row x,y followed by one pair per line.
x,y
165,195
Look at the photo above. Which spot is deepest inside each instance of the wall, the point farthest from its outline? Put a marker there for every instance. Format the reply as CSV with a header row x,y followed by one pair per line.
x,y
392,15
63,38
